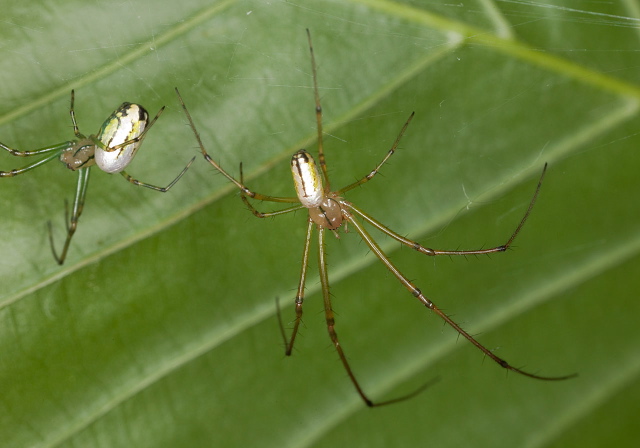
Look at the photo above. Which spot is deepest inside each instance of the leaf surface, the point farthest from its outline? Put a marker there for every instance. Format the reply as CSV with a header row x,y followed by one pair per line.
x,y
160,329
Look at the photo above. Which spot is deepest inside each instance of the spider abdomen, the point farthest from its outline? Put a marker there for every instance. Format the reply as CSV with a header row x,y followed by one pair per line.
x,y
126,123
307,179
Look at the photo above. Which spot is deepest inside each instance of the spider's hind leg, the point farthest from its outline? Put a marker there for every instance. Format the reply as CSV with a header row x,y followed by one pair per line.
x,y
71,223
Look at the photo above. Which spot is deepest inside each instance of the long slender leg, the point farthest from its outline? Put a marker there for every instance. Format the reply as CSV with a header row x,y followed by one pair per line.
x,y
331,323
153,187
300,294
72,224
58,148
18,171
259,214
328,311
72,113
433,252
208,158
429,304
368,177
321,158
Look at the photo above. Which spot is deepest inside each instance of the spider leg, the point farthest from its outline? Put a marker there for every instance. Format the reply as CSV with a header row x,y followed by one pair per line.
x,y
153,187
300,294
368,177
18,171
259,214
321,158
430,305
330,318
207,157
433,252
60,147
71,224
331,323
72,112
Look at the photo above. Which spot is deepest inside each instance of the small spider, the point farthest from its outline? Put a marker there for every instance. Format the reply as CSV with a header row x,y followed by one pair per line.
x,y
328,210
112,149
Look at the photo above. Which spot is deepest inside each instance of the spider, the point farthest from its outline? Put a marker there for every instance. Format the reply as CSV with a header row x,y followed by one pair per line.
x,y
112,149
328,210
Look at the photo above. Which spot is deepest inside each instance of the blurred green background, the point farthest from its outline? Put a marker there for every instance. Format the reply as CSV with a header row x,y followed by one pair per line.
x,y
160,329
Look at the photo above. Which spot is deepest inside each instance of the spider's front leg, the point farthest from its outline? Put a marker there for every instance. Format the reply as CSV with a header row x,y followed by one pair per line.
x,y
244,190
257,213
53,151
55,148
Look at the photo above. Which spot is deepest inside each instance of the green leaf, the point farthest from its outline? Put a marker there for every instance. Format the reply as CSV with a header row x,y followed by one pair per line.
x,y
160,329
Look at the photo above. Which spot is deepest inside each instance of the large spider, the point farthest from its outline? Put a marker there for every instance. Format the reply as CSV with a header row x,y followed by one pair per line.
x,y
328,210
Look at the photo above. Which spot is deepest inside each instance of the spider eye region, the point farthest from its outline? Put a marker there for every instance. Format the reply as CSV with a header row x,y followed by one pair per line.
x,y
120,137
307,179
